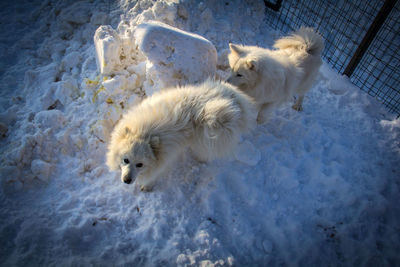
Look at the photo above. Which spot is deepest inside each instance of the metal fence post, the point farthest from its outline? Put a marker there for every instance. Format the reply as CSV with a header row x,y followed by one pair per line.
x,y
274,7
369,36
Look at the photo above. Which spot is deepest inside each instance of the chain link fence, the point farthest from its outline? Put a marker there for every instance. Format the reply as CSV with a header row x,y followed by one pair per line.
x,y
362,39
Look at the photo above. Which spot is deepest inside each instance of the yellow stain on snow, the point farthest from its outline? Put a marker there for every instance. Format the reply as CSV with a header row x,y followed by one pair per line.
x,y
101,88
91,82
97,82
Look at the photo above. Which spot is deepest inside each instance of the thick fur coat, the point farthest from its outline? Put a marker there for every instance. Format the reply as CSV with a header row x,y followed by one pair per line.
x,y
272,77
207,118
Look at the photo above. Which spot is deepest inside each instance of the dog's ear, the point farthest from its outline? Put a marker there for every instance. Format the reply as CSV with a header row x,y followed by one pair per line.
x,y
124,132
235,49
251,64
155,144
120,133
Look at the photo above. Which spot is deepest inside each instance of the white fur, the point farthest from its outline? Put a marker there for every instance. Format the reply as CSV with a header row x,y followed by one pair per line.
x,y
208,118
272,77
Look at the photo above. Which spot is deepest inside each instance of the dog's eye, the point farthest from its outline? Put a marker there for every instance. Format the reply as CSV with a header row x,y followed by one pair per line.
x,y
238,75
139,165
126,161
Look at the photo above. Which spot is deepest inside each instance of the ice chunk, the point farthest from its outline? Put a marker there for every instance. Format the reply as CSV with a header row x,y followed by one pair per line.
x,y
175,57
108,49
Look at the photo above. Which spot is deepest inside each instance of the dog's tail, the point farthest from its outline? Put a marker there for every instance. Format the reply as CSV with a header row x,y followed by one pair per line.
x,y
304,39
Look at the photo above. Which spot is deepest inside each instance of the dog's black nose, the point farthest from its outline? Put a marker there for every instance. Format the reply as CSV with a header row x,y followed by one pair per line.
x,y
128,180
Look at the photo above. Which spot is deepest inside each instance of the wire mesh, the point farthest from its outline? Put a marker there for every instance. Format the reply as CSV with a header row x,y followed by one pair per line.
x,y
343,25
378,71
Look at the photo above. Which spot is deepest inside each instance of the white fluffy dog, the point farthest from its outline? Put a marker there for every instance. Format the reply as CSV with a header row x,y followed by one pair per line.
x,y
272,77
208,118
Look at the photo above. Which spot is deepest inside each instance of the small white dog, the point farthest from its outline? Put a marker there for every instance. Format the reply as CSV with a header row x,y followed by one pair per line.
x,y
208,118
272,77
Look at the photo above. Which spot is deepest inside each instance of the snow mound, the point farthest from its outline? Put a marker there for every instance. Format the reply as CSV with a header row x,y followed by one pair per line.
x,y
175,57
153,53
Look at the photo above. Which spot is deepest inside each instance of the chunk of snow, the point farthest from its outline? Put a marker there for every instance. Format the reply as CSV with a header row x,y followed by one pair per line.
x,y
78,13
71,60
10,182
175,57
247,153
3,129
41,169
102,129
112,85
108,49
139,69
165,11
50,119
65,91
99,18
267,246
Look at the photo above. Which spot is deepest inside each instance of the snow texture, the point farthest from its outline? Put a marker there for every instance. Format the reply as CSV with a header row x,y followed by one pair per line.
x,y
312,188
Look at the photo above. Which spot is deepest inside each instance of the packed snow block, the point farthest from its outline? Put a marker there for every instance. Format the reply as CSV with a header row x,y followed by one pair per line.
x,y
108,49
175,57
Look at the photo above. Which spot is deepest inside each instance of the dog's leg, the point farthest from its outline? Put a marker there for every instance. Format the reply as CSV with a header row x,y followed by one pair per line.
x,y
264,113
147,187
199,156
299,103
146,184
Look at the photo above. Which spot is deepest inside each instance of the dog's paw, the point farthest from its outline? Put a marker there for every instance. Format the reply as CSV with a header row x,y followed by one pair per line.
x,y
261,120
146,188
198,157
297,107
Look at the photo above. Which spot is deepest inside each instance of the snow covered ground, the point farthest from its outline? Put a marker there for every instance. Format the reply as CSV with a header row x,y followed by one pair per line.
x,y
315,188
